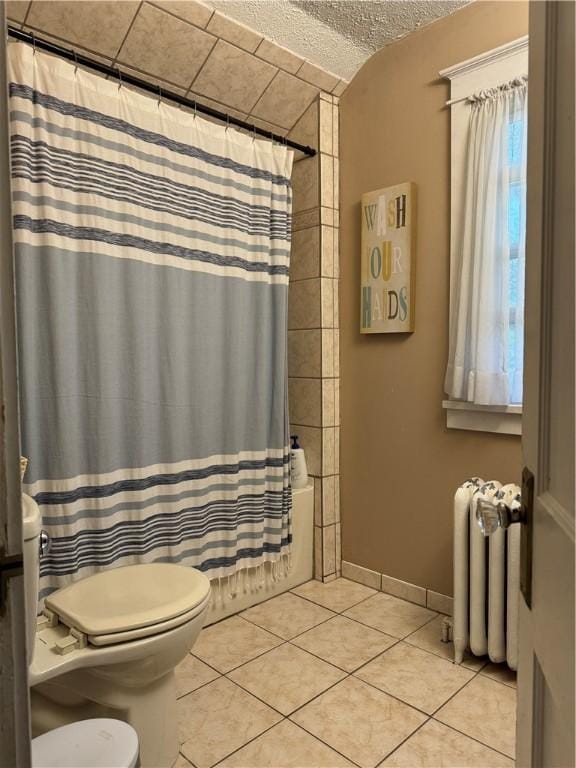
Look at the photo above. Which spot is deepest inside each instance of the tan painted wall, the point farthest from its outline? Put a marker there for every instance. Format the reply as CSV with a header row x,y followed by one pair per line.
x,y
400,465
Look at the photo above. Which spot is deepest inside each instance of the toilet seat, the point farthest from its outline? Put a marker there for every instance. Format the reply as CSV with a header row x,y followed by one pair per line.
x,y
128,603
153,629
97,743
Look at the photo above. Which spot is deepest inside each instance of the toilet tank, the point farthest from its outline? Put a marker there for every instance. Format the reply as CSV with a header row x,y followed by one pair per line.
x,y
31,525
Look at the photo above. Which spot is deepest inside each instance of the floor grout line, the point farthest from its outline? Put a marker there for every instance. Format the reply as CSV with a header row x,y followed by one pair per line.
x,y
280,637
434,653
214,765
184,695
474,676
326,744
423,650
296,725
324,621
489,677
297,708
428,716
282,715
436,711
288,639
474,738
439,655
343,611
332,663
365,624
248,661
397,747
393,696
346,675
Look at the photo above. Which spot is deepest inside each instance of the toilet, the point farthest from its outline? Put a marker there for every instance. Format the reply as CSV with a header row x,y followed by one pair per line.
x,y
107,645
98,743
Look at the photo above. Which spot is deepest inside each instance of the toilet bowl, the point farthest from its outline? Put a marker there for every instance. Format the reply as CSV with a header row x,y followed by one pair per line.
x,y
100,743
107,645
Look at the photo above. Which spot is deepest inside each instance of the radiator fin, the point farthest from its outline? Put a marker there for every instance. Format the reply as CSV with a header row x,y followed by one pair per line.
x,y
486,576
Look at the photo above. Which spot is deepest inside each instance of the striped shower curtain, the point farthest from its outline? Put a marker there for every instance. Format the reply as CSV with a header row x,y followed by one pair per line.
x,y
152,254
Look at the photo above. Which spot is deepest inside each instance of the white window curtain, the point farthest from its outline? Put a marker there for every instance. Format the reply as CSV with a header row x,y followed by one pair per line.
x,y
487,312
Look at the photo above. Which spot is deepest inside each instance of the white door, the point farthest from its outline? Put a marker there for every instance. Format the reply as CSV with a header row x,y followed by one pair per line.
x,y
14,719
546,632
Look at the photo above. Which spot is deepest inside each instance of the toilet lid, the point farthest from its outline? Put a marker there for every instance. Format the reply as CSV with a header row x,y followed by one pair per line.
x,y
128,598
98,743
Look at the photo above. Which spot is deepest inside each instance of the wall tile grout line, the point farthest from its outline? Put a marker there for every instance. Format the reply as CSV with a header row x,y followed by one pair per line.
x,y
115,57
66,43
145,75
258,100
160,7
315,277
197,75
27,13
250,53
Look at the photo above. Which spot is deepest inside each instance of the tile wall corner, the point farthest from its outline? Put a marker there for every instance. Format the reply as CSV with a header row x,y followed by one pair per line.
x,y
314,324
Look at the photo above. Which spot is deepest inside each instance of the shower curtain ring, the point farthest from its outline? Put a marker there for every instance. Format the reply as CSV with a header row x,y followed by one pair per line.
x,y
195,105
159,96
33,43
227,122
75,62
119,78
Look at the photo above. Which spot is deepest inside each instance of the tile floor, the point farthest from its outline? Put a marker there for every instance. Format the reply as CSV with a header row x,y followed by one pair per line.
x,y
337,674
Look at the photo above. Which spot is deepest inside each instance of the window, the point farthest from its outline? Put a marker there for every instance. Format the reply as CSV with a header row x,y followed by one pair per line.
x,y
516,240
488,219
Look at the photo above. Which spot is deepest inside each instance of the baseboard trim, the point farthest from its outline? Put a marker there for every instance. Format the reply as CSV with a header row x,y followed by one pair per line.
x,y
413,593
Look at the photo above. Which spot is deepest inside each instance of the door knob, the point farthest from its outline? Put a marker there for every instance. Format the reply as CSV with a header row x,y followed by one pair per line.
x,y
491,516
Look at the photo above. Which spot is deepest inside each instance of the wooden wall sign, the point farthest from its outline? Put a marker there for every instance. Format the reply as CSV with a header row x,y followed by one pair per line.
x,y
388,259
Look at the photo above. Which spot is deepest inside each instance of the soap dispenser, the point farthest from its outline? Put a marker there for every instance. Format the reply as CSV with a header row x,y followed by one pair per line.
x,y
299,472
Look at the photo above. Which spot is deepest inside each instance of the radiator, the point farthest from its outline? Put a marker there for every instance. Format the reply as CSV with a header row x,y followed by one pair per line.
x,y
486,576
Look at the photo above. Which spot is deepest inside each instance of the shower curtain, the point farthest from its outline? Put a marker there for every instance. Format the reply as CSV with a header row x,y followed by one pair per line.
x,y
152,254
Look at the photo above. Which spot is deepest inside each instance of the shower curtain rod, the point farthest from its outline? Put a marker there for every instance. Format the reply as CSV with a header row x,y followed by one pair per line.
x,y
124,77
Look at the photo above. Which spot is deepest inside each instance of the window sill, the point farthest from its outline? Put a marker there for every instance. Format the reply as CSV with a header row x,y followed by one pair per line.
x,y
501,419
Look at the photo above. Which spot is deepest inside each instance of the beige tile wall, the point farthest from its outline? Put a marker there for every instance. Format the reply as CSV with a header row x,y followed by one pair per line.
x,y
313,323
186,47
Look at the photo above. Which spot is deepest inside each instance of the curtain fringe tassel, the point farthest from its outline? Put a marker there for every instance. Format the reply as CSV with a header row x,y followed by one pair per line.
x,y
250,580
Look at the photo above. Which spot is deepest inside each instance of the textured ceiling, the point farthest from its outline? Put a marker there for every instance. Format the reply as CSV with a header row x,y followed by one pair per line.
x,y
371,24
338,35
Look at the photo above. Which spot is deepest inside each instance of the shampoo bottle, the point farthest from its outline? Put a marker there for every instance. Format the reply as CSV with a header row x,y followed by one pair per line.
x,y
298,468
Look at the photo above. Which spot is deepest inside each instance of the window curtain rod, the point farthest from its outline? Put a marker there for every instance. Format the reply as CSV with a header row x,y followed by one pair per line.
x,y
128,79
516,81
